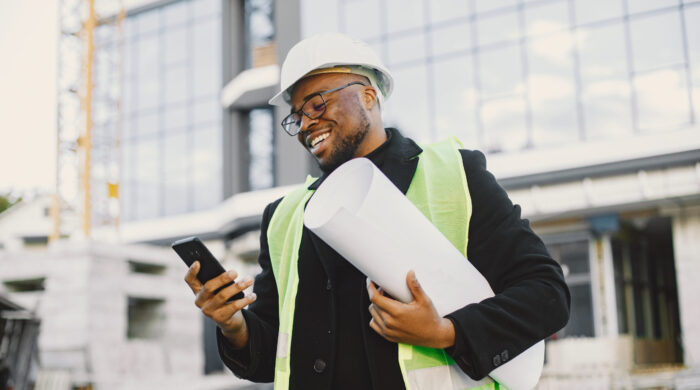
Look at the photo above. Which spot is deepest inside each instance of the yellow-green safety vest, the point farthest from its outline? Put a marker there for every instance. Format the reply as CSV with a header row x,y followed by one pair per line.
x,y
439,189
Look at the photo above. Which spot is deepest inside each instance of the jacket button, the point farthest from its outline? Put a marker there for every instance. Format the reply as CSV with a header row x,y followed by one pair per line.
x,y
319,365
504,356
328,284
497,360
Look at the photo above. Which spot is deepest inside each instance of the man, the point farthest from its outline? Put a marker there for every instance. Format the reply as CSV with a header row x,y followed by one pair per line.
x,y
314,322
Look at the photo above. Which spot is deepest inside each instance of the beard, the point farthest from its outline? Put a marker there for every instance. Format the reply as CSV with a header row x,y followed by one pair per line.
x,y
345,148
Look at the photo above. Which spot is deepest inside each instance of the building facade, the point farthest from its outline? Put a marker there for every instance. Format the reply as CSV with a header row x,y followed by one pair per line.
x,y
587,111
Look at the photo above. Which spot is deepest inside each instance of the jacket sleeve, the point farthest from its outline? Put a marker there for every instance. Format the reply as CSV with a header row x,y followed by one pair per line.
x,y
532,299
256,361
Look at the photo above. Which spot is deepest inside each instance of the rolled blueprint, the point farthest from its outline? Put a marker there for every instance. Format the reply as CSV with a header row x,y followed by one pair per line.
x,y
367,220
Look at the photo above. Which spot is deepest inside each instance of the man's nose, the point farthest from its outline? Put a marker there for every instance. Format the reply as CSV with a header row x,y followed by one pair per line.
x,y
306,123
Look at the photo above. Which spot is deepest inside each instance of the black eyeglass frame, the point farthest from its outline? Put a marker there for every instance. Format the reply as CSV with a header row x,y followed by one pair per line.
x,y
290,123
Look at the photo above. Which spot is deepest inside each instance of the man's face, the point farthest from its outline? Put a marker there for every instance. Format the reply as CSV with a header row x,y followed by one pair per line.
x,y
340,134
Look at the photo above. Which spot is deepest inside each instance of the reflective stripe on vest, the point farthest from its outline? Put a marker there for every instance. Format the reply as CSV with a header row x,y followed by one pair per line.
x,y
439,190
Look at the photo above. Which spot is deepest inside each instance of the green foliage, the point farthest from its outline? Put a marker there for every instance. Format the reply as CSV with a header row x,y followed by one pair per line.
x,y
7,200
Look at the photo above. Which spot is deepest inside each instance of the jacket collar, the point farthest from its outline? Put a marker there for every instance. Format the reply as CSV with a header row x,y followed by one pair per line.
x,y
399,164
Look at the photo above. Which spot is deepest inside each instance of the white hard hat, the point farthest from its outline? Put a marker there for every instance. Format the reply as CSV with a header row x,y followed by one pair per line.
x,y
332,53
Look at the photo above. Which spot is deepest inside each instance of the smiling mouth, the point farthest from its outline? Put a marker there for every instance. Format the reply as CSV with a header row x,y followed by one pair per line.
x,y
315,141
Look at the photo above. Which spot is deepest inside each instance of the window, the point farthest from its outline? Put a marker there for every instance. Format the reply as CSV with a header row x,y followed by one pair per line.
x,y
552,89
656,41
504,124
574,259
636,6
140,267
25,285
145,318
645,289
451,38
455,103
206,59
406,48
662,99
547,18
206,165
606,92
176,14
176,175
175,46
260,33
500,27
205,8
408,107
448,9
501,71
175,88
491,5
35,240
588,11
362,18
206,111
409,17
261,172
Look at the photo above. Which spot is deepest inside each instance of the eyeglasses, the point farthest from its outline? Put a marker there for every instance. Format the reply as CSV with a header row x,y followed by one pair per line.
x,y
314,107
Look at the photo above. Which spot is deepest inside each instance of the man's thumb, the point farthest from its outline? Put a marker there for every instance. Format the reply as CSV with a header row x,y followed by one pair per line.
x,y
414,285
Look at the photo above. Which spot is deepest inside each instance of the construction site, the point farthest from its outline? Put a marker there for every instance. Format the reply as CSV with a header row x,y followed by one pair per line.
x,y
163,132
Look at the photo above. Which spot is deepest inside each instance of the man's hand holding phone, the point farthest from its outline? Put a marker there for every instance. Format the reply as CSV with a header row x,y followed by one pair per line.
x,y
213,302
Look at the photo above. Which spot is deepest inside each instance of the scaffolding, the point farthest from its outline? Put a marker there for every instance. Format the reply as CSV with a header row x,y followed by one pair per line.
x,y
89,79
19,333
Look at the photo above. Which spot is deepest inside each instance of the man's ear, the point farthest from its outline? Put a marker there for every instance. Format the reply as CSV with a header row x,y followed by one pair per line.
x,y
369,98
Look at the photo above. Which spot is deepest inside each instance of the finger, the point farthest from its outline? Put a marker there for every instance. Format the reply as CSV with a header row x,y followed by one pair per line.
x,y
375,327
210,287
226,293
383,302
191,278
377,315
223,313
415,287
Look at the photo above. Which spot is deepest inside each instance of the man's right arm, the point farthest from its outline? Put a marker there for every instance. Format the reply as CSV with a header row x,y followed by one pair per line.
x,y
255,360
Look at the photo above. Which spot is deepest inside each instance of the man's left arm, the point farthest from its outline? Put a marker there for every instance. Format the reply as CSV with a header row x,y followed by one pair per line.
x,y
532,299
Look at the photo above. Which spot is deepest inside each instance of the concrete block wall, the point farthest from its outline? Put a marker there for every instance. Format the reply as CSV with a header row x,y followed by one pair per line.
x,y
84,313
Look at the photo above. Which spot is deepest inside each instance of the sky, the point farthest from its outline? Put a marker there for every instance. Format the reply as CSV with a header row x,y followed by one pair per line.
x,y
28,31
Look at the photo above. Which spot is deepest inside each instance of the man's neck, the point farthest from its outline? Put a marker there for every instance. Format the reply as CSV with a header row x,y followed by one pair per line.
x,y
376,138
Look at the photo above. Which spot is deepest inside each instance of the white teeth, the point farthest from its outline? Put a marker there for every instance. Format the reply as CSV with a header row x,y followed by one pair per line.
x,y
318,139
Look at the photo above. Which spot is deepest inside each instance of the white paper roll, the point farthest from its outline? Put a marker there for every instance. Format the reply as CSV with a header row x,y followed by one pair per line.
x,y
367,220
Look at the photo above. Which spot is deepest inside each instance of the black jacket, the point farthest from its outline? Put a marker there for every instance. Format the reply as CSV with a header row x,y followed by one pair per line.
x,y
332,343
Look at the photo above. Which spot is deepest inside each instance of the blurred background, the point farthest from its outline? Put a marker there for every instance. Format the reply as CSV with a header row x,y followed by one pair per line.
x,y
125,125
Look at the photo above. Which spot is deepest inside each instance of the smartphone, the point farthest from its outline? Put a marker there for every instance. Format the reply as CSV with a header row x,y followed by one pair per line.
x,y
192,249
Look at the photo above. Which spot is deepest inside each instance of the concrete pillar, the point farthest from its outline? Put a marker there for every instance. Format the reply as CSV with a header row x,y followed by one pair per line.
x,y
603,287
686,247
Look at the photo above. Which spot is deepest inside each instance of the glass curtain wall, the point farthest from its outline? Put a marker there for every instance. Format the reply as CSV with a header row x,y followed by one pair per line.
x,y
171,137
508,75
261,147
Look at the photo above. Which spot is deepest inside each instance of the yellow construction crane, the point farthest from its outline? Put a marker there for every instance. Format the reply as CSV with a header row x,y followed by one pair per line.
x,y
88,153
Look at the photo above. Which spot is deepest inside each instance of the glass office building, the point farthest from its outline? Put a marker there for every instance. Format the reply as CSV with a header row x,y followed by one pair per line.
x,y
509,75
171,136
576,103
587,110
